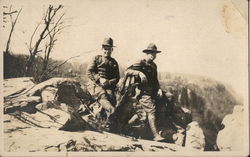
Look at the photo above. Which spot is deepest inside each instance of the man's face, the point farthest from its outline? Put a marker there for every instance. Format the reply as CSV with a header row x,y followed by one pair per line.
x,y
107,50
151,56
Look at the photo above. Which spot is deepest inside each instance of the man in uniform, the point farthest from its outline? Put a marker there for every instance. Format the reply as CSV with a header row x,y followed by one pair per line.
x,y
146,71
103,75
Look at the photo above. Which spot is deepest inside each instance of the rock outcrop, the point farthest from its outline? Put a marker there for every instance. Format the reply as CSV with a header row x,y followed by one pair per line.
x,y
208,100
54,112
46,110
39,132
194,136
231,137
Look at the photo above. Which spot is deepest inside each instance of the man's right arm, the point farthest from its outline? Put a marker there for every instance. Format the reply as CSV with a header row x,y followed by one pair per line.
x,y
132,72
136,70
92,71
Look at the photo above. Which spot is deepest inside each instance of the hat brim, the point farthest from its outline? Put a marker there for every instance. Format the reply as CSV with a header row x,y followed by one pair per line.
x,y
151,51
108,45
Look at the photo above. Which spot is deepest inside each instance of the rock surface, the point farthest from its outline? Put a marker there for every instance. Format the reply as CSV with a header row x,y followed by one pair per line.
x,y
34,113
195,138
30,96
208,100
231,137
12,86
48,94
39,132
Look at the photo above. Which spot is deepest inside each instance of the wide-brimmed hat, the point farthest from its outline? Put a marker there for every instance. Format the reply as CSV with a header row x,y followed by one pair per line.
x,y
108,42
151,48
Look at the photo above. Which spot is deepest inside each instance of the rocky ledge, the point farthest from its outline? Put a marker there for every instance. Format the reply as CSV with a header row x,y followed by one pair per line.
x,y
32,124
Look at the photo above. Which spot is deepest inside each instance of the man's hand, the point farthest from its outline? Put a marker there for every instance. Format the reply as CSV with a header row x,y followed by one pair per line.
x,y
143,77
160,93
129,72
104,82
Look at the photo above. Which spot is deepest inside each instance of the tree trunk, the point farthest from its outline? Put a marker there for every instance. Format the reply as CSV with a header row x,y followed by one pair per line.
x,y
13,24
29,64
44,71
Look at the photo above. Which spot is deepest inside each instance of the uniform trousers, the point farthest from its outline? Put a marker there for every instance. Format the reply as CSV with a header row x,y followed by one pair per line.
x,y
105,97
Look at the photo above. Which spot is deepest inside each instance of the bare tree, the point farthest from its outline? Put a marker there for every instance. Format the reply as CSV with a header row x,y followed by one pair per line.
x,y
53,25
13,21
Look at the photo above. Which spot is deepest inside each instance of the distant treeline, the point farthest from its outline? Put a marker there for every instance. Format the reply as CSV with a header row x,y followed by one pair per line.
x,y
14,66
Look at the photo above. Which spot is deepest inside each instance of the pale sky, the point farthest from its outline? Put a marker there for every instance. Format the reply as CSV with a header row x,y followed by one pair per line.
x,y
202,37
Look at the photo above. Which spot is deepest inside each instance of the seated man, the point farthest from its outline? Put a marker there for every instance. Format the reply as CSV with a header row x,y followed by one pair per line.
x,y
146,70
103,75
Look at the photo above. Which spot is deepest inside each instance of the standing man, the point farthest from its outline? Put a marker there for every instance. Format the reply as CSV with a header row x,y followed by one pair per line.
x,y
103,75
146,71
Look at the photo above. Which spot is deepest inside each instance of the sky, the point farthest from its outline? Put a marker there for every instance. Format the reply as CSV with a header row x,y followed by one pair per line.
x,y
201,37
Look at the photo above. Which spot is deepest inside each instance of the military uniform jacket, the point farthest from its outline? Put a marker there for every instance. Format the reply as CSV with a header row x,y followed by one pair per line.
x,y
104,67
150,71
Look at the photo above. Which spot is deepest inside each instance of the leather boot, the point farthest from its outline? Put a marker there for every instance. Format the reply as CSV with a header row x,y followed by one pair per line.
x,y
152,124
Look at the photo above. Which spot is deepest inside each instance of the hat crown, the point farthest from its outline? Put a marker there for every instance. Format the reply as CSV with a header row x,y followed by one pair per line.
x,y
151,48
108,42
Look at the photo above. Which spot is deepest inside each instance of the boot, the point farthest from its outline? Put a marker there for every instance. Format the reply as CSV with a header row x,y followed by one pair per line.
x,y
151,120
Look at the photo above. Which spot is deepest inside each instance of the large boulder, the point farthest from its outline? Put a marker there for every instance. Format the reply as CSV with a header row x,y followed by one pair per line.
x,y
27,99
231,138
195,138
62,94
48,94
26,104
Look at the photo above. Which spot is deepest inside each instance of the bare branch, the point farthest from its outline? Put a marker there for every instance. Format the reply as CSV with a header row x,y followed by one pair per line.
x,y
50,20
27,46
61,28
10,13
50,70
32,36
56,24
17,16
45,51
48,17
13,23
11,16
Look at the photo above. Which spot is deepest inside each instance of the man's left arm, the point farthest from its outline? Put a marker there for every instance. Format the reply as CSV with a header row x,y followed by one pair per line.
x,y
157,84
